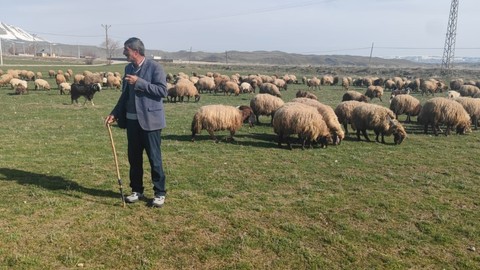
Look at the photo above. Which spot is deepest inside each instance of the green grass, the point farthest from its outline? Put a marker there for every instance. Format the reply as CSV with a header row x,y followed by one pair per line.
x,y
241,205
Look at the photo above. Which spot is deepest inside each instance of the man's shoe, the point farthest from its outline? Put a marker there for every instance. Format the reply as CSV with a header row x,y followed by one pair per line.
x,y
135,196
158,201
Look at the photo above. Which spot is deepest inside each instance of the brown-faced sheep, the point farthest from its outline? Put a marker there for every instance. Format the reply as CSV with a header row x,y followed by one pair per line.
x,y
344,112
305,94
354,95
405,104
265,104
379,119
440,110
270,88
303,120
374,91
220,117
329,116
472,106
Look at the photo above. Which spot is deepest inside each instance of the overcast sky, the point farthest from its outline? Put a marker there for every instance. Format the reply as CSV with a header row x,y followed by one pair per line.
x,y
344,27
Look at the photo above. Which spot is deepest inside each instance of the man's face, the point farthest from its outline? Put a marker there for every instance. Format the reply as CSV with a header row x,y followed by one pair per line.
x,y
129,53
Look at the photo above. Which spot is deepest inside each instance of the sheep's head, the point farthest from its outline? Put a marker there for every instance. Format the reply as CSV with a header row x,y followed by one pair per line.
x,y
247,115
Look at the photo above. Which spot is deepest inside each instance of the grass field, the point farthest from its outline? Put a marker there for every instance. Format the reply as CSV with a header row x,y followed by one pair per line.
x,y
241,205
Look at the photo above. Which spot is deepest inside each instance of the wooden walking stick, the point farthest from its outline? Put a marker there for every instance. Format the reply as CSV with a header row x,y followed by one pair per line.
x,y
116,164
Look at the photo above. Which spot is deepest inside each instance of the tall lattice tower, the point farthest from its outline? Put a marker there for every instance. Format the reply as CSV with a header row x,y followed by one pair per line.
x,y
449,49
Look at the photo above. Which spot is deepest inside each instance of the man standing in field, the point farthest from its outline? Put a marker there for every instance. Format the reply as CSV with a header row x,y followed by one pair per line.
x,y
140,110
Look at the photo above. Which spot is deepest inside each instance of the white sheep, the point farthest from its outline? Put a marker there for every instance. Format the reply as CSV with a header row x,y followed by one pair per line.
x,y
265,104
405,104
452,94
379,119
246,87
329,116
42,84
440,110
220,117
301,119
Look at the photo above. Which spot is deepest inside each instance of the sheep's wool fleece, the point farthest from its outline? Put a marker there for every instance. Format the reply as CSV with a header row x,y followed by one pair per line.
x,y
218,117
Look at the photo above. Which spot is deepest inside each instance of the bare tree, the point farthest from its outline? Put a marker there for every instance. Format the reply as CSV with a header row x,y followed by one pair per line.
x,y
112,47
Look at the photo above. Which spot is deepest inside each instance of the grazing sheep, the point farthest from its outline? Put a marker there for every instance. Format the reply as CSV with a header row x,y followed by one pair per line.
x,y
87,91
354,95
405,104
79,79
305,94
21,90
452,94
303,120
60,78
379,119
51,73
14,82
280,83
329,116
456,84
245,87
344,112
345,83
230,87
472,106
265,104
326,80
397,92
468,90
42,84
5,79
205,84
428,86
313,83
113,82
374,91
270,88
440,110
184,88
220,117
64,88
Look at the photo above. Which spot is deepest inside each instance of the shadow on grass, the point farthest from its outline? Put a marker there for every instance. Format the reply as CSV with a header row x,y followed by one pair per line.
x,y
50,182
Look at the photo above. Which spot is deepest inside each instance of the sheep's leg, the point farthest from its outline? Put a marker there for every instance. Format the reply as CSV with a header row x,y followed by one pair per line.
x,y
358,134
212,135
232,132
280,139
364,132
376,136
408,118
345,126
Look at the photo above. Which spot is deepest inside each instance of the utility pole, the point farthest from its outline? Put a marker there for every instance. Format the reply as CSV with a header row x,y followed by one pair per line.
x,y
449,49
226,57
371,53
1,53
106,40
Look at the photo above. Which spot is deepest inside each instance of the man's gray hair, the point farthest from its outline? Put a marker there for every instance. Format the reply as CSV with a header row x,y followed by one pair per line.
x,y
135,44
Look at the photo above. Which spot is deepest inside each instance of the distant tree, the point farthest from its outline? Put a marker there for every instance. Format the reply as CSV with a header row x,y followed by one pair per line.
x,y
89,57
112,47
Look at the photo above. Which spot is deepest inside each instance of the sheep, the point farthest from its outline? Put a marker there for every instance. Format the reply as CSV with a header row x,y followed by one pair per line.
x,y
329,116
205,84
456,84
42,84
440,110
270,88
344,112
300,119
405,104
64,88
305,94
230,87
220,117
265,104
5,79
468,90
374,91
354,95
345,83
472,106
452,94
184,87
51,73
313,83
281,84
326,80
246,87
20,89
397,92
428,86
14,82
379,119
87,91
60,78
79,79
